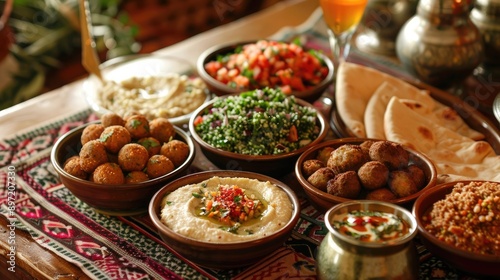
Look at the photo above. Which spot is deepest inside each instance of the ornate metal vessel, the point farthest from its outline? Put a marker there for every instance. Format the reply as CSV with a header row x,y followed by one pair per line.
x,y
486,16
344,257
381,23
440,44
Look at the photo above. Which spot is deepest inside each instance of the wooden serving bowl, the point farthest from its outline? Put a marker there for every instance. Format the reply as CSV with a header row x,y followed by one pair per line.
x,y
220,255
272,165
324,201
221,89
475,264
117,200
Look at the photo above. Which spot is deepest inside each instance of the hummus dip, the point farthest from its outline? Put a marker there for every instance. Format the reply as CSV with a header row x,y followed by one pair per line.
x,y
226,210
169,96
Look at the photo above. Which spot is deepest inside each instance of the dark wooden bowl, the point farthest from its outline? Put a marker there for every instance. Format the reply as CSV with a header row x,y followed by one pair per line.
x,y
121,200
220,255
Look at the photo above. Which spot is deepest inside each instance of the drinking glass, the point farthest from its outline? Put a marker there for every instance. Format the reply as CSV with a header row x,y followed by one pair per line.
x,y
341,17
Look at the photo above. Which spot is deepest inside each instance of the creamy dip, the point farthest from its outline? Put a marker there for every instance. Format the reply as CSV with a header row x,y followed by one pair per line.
x,y
371,226
167,96
227,210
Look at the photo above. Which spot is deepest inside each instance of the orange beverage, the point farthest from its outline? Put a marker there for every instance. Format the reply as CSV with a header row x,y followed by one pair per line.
x,y
342,15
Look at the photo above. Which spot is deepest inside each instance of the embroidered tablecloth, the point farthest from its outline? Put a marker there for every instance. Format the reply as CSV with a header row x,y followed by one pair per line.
x,y
108,247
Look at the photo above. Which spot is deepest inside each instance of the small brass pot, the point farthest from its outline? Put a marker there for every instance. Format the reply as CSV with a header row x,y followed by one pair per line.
x,y
342,257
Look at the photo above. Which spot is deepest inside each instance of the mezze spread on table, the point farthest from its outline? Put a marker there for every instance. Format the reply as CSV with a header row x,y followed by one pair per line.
x,y
371,226
224,209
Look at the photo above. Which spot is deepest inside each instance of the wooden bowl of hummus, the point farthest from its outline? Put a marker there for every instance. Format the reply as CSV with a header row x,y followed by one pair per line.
x,y
224,219
149,84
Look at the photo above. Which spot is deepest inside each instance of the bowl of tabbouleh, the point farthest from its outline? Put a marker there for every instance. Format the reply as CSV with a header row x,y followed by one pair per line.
x,y
262,130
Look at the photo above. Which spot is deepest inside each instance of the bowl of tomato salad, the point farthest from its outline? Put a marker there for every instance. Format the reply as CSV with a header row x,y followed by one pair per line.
x,y
262,130
243,66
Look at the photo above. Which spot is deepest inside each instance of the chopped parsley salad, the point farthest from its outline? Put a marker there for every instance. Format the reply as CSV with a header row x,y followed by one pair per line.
x,y
230,206
273,64
259,122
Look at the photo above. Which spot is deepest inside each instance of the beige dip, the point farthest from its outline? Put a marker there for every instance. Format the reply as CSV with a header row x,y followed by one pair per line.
x,y
168,96
179,211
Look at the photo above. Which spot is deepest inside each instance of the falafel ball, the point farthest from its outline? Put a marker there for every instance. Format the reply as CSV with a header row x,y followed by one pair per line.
x,y
383,194
320,178
92,154
373,175
393,155
366,145
110,119
162,129
176,150
310,166
151,144
324,154
345,185
133,157
115,137
73,167
108,174
347,157
135,177
138,126
401,183
159,165
418,175
91,132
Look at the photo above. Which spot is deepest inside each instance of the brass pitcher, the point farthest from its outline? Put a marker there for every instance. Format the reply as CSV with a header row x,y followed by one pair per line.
x,y
381,23
440,44
486,16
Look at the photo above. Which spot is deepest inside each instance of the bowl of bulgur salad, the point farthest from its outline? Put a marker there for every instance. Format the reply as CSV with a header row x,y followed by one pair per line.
x,y
243,66
263,130
460,223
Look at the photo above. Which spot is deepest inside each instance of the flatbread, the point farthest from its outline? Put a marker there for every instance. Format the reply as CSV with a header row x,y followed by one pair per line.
x,y
455,156
362,94
355,85
375,109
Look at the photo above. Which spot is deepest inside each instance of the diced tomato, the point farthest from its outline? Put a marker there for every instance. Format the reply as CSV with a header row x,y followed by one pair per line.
x,y
198,120
241,81
293,135
272,63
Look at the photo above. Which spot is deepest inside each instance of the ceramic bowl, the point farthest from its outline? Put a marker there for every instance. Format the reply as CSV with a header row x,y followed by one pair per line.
x,y
475,264
324,201
222,255
141,65
273,165
116,200
219,88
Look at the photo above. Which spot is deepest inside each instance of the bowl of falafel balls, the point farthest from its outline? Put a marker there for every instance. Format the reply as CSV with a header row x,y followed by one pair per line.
x,y
116,165
346,169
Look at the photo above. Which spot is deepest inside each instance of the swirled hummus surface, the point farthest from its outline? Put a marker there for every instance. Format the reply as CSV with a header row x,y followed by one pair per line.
x,y
225,210
168,96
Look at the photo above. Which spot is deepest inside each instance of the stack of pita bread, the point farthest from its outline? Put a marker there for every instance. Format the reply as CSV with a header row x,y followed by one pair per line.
x,y
373,104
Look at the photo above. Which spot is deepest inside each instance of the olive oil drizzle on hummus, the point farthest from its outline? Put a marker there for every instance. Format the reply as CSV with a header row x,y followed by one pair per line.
x,y
230,206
